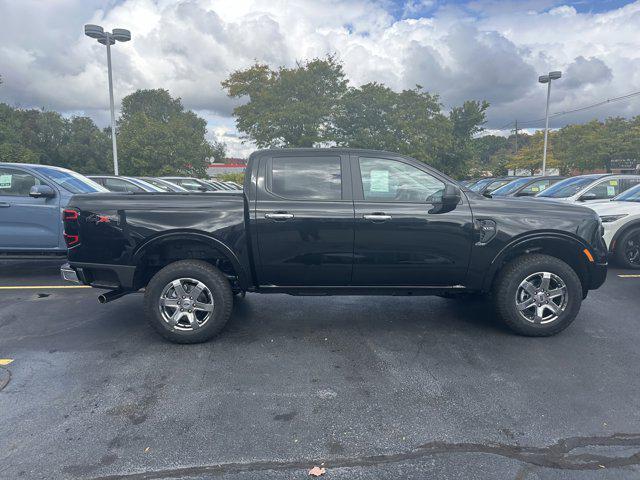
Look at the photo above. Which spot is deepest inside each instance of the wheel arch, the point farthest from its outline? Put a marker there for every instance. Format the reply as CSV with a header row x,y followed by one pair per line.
x,y
168,247
566,247
621,231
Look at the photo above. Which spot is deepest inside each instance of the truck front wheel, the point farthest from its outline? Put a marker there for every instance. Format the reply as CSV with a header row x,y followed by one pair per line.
x,y
188,301
537,295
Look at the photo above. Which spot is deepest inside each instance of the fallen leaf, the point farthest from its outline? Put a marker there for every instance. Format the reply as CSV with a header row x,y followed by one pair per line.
x,y
317,471
146,450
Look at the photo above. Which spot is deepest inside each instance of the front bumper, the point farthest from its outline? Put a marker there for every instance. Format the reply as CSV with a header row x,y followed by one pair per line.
x,y
597,275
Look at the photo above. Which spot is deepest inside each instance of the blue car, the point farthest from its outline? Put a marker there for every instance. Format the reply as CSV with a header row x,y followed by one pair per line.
x,y
32,198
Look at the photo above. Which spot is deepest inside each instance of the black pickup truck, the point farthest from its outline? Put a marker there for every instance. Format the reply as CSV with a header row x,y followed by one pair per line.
x,y
334,222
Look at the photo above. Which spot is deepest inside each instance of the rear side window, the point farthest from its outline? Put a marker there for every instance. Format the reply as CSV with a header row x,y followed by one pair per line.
x,y
16,183
627,183
307,178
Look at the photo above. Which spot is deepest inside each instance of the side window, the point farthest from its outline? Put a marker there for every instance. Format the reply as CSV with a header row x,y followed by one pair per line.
x,y
385,180
306,178
627,183
534,188
606,189
117,185
16,183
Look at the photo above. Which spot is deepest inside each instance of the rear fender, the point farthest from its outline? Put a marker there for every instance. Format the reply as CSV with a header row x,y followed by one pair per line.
x,y
219,246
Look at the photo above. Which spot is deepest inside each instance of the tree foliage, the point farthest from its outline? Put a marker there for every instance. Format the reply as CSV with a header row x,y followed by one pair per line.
x,y
157,136
288,107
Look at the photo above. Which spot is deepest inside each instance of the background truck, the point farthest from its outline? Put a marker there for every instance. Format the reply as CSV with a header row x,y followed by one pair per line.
x,y
334,222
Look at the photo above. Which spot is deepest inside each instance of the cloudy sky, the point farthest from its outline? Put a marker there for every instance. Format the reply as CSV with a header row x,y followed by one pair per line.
x,y
490,50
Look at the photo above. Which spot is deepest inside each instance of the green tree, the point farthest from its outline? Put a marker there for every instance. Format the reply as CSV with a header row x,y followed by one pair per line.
x,y
530,156
157,136
87,149
218,151
410,122
288,107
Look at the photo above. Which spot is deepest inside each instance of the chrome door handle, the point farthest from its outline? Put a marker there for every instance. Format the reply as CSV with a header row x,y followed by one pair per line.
x,y
377,217
5,204
279,216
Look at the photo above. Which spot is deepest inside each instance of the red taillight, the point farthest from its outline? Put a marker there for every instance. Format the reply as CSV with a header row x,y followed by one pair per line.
x,y
70,218
70,214
71,239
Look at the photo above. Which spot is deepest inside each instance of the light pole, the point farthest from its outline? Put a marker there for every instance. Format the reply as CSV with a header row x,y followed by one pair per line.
x,y
547,79
108,39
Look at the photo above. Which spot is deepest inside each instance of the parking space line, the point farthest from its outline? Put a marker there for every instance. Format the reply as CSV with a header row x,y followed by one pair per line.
x,y
629,275
5,361
41,287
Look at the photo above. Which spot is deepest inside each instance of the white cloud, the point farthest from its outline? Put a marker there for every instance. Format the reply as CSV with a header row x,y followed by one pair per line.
x,y
485,50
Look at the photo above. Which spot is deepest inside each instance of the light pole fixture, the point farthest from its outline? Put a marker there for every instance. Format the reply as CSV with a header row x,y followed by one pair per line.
x,y
547,79
108,39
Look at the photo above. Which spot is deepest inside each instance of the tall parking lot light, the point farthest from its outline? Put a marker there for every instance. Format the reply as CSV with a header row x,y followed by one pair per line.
x,y
108,39
547,79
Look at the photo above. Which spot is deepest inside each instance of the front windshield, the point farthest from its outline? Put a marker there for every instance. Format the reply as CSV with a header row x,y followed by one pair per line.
x,y
146,185
567,188
71,181
631,195
510,187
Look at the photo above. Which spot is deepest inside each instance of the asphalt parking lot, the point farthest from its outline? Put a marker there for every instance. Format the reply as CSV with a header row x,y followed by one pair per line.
x,y
368,387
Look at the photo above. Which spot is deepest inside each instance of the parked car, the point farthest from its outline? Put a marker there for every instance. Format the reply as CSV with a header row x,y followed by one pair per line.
x,y
335,222
163,185
621,221
526,186
219,186
234,185
191,184
488,185
31,201
587,188
123,184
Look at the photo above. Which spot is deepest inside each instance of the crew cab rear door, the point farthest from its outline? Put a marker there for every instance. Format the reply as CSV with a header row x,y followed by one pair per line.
x,y
304,217
400,238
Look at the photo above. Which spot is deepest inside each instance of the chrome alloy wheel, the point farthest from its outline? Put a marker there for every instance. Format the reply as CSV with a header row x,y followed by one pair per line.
x,y
186,304
541,297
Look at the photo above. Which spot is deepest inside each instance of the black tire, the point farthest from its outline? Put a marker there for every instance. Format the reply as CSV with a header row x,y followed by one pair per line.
x,y
507,286
219,290
622,255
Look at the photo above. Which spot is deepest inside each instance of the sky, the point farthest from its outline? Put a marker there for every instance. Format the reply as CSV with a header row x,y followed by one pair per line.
x,y
491,50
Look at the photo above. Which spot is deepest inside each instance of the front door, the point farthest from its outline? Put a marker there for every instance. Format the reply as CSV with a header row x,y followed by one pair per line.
x,y
400,239
304,217
26,223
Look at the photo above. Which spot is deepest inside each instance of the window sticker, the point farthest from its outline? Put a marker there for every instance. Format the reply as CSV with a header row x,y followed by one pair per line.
x,y
611,191
5,181
379,181
535,189
543,186
613,183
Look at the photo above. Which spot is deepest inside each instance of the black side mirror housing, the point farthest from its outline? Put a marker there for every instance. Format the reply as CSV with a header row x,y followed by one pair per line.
x,y
588,196
449,201
42,191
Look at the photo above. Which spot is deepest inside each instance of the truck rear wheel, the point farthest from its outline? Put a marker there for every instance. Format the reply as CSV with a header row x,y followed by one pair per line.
x,y
537,295
188,301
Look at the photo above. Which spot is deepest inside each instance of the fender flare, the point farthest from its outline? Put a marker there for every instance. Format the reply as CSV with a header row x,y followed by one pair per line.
x,y
521,243
201,237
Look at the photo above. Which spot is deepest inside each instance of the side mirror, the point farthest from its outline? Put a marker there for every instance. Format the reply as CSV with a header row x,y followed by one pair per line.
x,y
42,191
588,196
449,201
